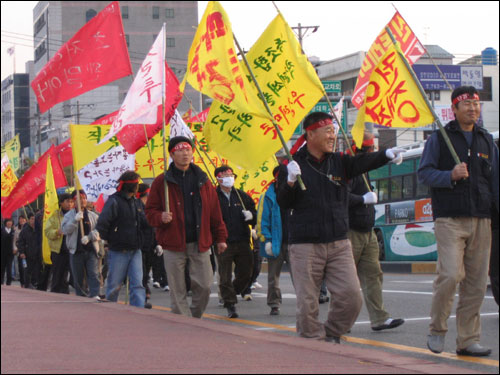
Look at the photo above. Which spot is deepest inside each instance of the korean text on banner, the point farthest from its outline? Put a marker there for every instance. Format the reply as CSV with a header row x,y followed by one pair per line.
x,y
12,149
213,67
291,88
143,103
32,183
96,55
410,45
9,181
98,166
392,98
50,208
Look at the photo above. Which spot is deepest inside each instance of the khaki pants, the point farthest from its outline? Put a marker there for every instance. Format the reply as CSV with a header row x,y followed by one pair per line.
x,y
200,272
365,251
333,262
463,256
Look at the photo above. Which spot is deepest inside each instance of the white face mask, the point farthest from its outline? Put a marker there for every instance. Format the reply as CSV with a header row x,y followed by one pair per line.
x,y
227,182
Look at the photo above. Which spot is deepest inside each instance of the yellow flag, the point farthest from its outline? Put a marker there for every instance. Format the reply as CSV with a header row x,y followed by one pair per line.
x,y
9,181
213,67
392,98
291,88
50,208
12,149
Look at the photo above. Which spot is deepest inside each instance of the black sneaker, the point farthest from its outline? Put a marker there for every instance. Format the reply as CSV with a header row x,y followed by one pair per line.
x,y
334,339
275,311
231,312
323,298
147,305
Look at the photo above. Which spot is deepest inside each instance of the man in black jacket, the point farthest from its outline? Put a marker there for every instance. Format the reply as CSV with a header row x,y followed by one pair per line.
x,y
365,246
7,249
238,212
462,196
120,223
318,225
28,246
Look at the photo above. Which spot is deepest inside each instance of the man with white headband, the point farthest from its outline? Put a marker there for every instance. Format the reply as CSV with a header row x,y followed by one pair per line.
x,y
318,224
187,228
462,197
238,212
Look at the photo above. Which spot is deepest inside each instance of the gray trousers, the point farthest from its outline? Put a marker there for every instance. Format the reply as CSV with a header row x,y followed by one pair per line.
x,y
200,271
274,266
333,262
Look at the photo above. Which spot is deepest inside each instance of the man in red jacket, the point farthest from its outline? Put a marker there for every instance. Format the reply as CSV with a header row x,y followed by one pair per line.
x,y
187,227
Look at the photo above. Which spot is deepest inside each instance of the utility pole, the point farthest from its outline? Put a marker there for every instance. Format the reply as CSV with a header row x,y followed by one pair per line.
x,y
301,28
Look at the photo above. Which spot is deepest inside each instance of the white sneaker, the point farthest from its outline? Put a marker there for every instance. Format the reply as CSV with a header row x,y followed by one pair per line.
x,y
256,285
166,288
156,284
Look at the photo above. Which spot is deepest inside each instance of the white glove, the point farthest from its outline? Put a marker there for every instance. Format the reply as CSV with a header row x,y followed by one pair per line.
x,y
293,171
254,235
370,198
248,215
269,249
158,251
395,154
79,216
85,240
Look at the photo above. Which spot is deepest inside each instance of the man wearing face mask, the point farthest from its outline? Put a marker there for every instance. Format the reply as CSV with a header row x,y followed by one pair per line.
x,y
238,212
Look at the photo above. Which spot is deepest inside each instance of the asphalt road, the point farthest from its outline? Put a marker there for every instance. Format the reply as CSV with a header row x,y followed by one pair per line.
x,y
406,296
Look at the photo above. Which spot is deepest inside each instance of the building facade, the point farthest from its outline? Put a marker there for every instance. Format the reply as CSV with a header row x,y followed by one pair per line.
x,y
15,108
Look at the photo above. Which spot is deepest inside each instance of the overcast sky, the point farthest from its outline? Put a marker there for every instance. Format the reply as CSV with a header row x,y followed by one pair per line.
x,y
462,28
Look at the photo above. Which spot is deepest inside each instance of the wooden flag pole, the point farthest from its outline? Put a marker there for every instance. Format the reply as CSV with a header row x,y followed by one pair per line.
x,y
165,157
276,127
424,95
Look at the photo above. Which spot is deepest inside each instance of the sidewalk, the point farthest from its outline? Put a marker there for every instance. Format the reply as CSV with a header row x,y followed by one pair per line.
x,y
53,333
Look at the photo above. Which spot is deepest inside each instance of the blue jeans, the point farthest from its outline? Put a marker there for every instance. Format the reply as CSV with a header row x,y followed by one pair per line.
x,y
120,265
82,263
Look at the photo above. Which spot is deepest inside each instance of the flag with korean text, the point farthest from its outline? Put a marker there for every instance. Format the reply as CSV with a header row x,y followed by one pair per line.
x,y
410,45
143,103
178,127
291,88
95,56
392,98
12,148
50,208
32,182
213,67
98,165
9,181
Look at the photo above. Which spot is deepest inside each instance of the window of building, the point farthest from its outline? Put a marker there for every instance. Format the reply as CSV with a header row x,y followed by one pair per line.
x,y
156,13
169,13
124,12
486,94
127,39
40,51
39,24
170,42
89,14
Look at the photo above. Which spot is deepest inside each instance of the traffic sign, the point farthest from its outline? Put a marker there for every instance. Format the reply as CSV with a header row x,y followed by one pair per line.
x,y
332,86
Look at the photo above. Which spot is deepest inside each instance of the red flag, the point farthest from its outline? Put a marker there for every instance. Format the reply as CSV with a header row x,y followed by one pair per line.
x,y
201,117
63,151
132,136
32,183
99,204
96,55
106,120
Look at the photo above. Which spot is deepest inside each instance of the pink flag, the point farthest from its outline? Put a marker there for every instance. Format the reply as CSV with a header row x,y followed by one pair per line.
x,y
64,153
96,55
143,104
